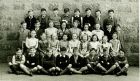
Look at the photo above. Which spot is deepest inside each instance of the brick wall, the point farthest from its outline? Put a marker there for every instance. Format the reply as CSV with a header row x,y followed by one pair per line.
x,y
12,12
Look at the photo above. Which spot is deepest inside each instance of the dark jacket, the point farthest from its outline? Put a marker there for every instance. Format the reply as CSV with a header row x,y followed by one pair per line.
x,y
30,23
43,22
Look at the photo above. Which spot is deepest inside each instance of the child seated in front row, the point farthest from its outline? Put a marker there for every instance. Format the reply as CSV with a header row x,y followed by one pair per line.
x,y
92,61
17,63
122,64
62,61
76,62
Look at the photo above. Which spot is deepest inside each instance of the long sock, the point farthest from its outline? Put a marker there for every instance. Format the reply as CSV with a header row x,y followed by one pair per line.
x,y
44,71
13,69
111,69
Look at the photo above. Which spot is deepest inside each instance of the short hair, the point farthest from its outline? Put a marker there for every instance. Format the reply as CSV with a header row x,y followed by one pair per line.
x,y
63,49
87,9
75,49
92,50
30,11
23,22
75,10
98,11
18,49
86,24
43,9
111,10
66,10
55,9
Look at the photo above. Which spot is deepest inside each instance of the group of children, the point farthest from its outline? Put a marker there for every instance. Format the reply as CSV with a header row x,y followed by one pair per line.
x,y
55,45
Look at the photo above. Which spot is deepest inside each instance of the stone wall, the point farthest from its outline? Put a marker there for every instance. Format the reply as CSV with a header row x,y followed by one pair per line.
x,y
12,12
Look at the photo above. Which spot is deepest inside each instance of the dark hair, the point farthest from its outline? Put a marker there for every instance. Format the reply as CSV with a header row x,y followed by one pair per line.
x,y
98,11
63,49
86,24
55,9
18,49
92,50
93,36
22,22
43,9
87,9
76,10
111,10
66,10
75,49
30,11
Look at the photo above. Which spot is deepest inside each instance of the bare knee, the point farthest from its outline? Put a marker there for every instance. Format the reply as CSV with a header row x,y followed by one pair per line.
x,y
126,65
10,64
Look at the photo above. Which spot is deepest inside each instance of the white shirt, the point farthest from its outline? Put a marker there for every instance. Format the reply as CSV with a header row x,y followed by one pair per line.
x,y
51,31
86,32
95,45
99,33
31,42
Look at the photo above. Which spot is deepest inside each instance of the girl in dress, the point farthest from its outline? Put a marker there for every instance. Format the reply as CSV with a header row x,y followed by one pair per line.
x,y
54,44
94,43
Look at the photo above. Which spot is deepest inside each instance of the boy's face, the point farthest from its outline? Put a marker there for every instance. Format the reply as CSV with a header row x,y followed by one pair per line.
x,y
86,27
88,13
31,13
24,25
93,53
97,26
111,14
43,37
74,36
33,34
63,25
43,13
106,53
56,12
65,37
109,27
51,24
19,52
121,53
32,51
63,52
75,24
114,36
77,13
75,52
37,25
98,14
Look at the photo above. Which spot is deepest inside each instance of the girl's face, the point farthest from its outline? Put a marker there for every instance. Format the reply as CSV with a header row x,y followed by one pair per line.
x,y
98,14
19,53
54,37
86,27
51,24
43,13
114,36
85,37
88,13
65,37
121,53
33,33
74,36
43,36
32,51
75,24
94,38
105,39
97,26
77,13
37,25
24,25
50,53
118,29
63,25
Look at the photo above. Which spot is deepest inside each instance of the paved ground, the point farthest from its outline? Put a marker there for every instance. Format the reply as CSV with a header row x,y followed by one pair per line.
x,y
133,75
